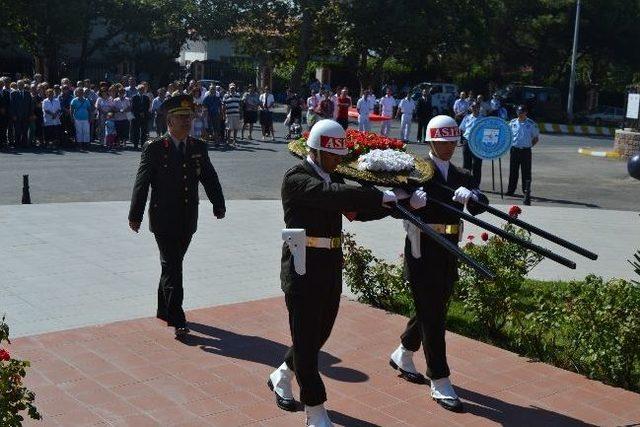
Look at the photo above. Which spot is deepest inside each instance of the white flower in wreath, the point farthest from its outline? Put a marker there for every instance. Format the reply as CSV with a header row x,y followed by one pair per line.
x,y
388,160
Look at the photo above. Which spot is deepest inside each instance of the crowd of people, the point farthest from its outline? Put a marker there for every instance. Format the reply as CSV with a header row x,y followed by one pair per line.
x,y
36,113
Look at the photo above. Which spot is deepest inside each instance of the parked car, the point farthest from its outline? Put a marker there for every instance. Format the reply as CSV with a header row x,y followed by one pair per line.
x,y
443,95
544,103
603,114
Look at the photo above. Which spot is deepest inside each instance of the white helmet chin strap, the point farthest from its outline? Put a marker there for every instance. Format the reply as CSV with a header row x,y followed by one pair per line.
x,y
319,155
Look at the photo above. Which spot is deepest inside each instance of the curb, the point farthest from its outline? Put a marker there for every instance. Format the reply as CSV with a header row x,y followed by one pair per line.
x,y
594,153
576,129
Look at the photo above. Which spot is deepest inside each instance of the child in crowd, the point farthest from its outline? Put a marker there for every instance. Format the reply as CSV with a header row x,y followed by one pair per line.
x,y
197,125
110,133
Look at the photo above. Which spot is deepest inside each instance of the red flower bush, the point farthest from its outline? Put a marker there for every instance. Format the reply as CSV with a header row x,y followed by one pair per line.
x,y
15,398
484,236
514,211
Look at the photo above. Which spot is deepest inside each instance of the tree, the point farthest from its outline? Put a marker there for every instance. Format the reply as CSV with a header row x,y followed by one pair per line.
x,y
41,28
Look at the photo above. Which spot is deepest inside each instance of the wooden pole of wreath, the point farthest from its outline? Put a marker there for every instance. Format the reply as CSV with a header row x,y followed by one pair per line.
x,y
504,234
531,228
450,247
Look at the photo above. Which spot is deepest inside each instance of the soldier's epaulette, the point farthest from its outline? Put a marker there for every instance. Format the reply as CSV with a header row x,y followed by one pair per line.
x,y
156,140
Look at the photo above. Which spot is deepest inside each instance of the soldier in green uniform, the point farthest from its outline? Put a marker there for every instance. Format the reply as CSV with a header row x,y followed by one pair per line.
x,y
173,165
314,200
430,269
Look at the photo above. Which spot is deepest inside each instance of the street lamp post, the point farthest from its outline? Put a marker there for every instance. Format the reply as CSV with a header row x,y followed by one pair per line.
x,y
572,78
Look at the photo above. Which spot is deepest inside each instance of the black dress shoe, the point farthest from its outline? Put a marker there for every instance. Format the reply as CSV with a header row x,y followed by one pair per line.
x,y
454,405
412,377
182,332
510,193
286,404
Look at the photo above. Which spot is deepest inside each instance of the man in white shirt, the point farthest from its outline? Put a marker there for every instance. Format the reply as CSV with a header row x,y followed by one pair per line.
x,y
406,107
334,99
364,107
461,107
266,115
51,112
495,105
312,104
471,161
387,103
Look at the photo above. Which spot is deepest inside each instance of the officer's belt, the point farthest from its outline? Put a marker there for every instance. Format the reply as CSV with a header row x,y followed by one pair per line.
x,y
324,242
445,228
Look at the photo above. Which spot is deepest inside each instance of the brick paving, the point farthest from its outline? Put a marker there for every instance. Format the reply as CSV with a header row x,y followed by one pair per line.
x,y
134,373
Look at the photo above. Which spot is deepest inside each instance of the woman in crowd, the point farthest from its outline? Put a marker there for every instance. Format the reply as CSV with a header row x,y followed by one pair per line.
x,y
51,112
104,105
122,107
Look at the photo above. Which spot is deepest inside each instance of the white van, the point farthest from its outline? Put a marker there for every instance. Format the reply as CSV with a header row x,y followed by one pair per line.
x,y
443,95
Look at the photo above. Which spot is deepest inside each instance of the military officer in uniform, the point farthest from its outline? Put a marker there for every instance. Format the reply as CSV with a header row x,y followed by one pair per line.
x,y
314,200
173,165
525,135
430,269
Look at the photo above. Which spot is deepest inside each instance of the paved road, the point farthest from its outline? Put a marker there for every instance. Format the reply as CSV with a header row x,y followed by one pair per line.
x,y
254,171
76,264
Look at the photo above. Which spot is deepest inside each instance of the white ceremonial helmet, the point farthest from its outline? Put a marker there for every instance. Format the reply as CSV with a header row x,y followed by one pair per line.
x,y
443,128
327,135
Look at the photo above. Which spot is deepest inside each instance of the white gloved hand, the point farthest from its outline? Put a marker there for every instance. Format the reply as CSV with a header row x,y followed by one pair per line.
x,y
388,197
462,195
401,194
418,199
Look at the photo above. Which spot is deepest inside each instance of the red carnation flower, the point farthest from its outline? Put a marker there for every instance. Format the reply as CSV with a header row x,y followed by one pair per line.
x,y
484,236
514,211
4,355
305,134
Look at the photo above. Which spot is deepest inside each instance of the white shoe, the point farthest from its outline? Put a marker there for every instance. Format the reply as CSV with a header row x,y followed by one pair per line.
x,y
281,381
402,360
443,393
317,416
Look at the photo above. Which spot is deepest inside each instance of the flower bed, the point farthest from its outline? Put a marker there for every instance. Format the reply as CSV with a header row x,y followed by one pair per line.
x,y
14,396
590,326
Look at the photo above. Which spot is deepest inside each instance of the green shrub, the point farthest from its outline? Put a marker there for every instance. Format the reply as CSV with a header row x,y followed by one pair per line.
x,y
14,397
494,302
602,324
636,266
590,326
375,282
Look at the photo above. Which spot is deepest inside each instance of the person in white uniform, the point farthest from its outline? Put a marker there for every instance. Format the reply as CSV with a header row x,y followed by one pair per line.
x,y
365,107
406,107
387,103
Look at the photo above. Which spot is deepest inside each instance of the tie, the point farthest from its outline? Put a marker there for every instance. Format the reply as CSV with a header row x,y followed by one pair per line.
x,y
181,148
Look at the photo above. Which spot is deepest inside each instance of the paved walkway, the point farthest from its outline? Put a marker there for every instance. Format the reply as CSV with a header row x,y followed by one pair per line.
x,y
135,373
77,264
